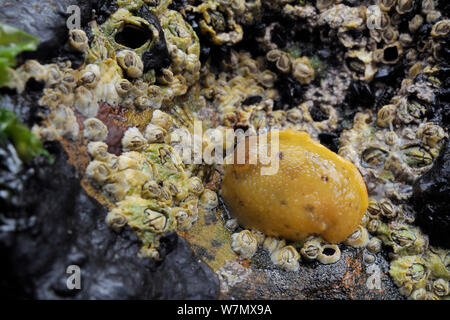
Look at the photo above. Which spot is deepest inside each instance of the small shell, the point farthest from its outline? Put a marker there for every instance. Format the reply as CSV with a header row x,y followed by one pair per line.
x,y
195,185
441,287
90,76
386,115
133,140
154,134
311,249
123,87
78,39
430,133
441,28
392,53
375,244
286,258
95,130
244,243
415,23
387,5
116,219
161,119
97,172
388,210
208,199
303,70
98,150
359,238
404,6
131,63
329,253
85,103
185,218
151,190
156,221
272,244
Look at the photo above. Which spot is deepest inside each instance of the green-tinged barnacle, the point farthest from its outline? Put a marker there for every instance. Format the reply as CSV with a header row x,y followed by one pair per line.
x,y
244,244
85,102
95,130
98,150
311,249
142,102
156,221
131,63
440,28
151,190
329,253
402,238
374,157
415,23
133,140
208,199
417,157
97,172
90,76
302,70
286,258
440,287
116,219
359,238
375,245
430,133
404,6
78,40
387,5
373,225
409,273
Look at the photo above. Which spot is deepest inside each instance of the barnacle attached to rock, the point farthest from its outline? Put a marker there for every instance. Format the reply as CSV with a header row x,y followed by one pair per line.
x,y
286,258
329,253
244,244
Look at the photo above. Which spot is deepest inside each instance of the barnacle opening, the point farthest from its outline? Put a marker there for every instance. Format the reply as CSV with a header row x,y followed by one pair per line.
x,y
133,36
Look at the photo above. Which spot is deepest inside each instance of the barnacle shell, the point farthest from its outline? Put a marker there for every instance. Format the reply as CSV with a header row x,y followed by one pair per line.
x,y
302,70
244,243
116,219
440,28
286,258
329,253
97,172
359,238
311,249
78,39
95,130
387,5
133,140
131,63
404,6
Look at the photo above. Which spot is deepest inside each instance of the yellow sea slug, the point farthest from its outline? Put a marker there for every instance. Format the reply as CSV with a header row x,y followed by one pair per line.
x,y
315,191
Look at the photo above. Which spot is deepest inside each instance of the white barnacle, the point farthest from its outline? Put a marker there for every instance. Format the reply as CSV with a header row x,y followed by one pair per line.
x,y
98,150
78,39
131,63
195,185
85,103
161,119
329,253
133,140
97,172
272,244
156,221
286,258
95,130
90,76
311,249
116,219
303,70
359,238
154,133
244,244
208,199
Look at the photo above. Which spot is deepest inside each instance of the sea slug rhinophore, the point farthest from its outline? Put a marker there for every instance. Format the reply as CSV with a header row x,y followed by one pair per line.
x,y
315,191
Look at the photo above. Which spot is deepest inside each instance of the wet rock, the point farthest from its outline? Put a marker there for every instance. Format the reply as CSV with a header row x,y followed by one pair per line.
x,y
431,201
53,223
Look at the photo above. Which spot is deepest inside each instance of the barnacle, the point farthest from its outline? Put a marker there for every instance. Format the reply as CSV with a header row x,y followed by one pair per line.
x,y
244,243
78,39
329,253
95,130
286,258
311,249
358,238
304,211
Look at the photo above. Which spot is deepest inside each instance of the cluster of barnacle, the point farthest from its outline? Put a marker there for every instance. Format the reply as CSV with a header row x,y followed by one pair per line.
x,y
150,187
